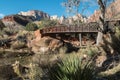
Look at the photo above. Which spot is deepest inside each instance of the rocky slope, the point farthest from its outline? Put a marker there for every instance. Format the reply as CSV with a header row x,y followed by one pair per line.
x,y
43,44
17,21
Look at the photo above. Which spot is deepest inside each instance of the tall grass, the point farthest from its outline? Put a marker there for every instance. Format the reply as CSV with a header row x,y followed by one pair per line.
x,y
73,68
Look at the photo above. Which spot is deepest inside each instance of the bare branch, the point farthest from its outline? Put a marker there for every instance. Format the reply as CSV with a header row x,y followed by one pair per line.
x,y
102,5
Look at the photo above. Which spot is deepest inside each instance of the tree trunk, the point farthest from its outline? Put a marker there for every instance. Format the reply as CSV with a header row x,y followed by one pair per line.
x,y
101,22
99,38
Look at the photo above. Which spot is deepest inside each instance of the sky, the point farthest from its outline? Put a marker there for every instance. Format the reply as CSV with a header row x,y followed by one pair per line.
x,y
52,7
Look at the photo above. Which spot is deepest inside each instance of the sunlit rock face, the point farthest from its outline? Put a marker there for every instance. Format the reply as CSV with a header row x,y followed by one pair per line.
x,y
37,35
43,44
54,17
62,19
112,10
10,21
94,17
70,19
36,13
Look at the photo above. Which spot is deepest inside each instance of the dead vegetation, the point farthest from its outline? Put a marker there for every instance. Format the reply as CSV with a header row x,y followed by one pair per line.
x,y
105,57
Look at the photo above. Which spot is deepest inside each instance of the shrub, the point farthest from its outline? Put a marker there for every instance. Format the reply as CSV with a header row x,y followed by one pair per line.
x,y
1,25
91,51
35,72
18,45
72,68
31,27
116,40
8,31
113,42
47,22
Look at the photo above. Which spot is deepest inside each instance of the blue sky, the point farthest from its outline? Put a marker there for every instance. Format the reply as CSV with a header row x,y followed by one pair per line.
x,y
52,7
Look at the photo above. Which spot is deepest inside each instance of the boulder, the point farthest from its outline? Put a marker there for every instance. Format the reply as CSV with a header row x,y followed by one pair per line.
x,y
55,44
100,60
44,45
37,34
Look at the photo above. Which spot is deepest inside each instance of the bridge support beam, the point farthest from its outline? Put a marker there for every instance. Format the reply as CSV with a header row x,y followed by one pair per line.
x,y
80,39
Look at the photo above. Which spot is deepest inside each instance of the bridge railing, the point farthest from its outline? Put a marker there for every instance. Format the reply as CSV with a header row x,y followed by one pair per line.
x,y
90,27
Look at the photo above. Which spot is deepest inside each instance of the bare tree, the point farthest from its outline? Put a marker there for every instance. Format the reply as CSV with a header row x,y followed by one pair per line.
x,y
76,4
72,6
103,24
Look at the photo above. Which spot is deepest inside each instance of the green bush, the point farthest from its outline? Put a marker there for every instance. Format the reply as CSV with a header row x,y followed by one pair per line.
x,y
113,42
18,45
47,23
9,31
31,27
116,40
72,68
35,72
1,25
91,51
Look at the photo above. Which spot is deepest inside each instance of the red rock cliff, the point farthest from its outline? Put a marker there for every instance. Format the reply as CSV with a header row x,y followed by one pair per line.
x,y
112,10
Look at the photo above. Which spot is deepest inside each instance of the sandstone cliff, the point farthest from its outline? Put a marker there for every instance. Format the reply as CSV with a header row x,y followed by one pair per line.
x,y
17,21
38,15
112,10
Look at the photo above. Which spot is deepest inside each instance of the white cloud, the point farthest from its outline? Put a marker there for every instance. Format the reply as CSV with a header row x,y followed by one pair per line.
x,y
1,15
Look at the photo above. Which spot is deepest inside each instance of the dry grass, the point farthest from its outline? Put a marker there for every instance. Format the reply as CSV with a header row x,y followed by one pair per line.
x,y
111,71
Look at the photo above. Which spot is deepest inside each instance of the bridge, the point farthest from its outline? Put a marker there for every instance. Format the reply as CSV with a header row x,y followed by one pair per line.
x,y
90,27
80,30
72,30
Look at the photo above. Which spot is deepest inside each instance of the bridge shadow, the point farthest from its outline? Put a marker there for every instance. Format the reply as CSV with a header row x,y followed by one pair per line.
x,y
67,42
70,47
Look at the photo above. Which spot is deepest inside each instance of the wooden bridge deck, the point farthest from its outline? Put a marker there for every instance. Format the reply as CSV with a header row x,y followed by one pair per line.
x,y
90,27
82,28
